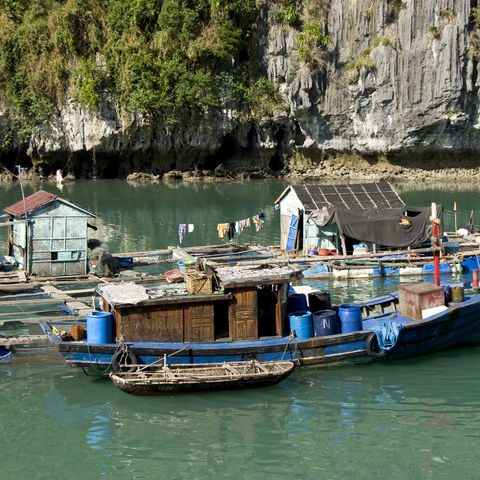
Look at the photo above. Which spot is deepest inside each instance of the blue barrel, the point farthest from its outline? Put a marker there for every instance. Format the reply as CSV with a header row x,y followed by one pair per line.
x,y
301,322
99,327
297,302
350,317
325,322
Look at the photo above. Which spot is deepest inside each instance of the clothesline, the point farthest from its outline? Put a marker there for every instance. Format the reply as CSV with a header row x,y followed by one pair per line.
x,y
228,229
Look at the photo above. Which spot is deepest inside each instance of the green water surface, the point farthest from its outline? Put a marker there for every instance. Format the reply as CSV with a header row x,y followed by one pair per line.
x,y
413,419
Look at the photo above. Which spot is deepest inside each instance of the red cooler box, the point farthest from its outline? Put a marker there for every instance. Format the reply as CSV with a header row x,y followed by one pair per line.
x,y
415,297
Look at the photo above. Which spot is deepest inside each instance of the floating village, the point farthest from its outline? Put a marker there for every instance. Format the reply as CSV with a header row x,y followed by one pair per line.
x,y
233,315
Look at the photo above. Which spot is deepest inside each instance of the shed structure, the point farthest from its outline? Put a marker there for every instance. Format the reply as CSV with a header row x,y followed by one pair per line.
x,y
335,217
48,235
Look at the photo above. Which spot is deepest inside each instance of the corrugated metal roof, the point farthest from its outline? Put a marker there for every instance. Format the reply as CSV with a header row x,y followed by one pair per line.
x,y
36,200
32,202
352,196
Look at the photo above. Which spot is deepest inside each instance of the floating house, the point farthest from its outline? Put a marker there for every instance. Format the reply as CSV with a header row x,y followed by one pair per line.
x,y
335,218
48,235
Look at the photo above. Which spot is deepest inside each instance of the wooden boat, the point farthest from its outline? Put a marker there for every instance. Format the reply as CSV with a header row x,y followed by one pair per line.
x,y
246,318
164,380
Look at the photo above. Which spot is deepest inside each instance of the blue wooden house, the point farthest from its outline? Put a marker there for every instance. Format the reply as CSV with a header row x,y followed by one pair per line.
x,y
48,235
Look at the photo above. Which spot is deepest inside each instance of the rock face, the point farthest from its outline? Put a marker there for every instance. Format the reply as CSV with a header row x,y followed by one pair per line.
x,y
397,85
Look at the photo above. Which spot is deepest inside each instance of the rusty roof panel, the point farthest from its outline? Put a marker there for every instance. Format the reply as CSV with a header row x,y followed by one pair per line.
x,y
32,202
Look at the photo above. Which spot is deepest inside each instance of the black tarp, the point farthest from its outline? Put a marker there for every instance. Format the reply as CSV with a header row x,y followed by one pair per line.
x,y
393,227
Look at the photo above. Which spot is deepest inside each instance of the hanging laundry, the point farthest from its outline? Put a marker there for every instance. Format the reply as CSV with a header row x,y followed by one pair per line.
x,y
222,230
231,230
182,228
191,227
237,227
241,226
258,222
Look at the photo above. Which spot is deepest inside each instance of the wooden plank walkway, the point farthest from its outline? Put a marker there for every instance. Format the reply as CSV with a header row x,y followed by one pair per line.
x,y
56,297
23,340
67,319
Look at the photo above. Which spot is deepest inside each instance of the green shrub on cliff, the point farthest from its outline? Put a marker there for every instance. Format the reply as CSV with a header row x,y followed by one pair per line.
x,y
156,56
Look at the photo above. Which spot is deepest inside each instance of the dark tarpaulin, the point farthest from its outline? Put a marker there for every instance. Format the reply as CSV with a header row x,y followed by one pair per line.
x,y
384,227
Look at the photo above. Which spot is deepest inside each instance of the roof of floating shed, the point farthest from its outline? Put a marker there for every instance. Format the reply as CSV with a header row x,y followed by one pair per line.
x,y
250,275
37,200
361,196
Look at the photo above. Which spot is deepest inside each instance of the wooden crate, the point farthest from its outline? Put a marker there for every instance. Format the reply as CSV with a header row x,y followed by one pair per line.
x,y
415,297
198,282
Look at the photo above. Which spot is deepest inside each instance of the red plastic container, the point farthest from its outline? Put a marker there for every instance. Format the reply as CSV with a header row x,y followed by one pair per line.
x,y
323,251
174,276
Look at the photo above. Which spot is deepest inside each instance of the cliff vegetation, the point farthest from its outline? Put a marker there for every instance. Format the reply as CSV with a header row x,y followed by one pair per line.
x,y
111,87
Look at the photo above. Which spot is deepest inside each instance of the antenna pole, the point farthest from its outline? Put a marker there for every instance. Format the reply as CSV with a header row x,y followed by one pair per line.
x,y
27,248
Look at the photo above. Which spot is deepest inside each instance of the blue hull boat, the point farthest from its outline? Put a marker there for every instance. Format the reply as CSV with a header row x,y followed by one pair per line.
x,y
453,325
5,355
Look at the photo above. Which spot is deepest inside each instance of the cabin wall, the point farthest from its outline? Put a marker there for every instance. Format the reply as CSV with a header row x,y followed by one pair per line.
x,y
58,241
193,321
320,237
289,205
179,322
155,323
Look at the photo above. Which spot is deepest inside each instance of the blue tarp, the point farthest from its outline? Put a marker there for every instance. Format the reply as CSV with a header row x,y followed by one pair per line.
x,y
444,268
385,271
316,270
470,264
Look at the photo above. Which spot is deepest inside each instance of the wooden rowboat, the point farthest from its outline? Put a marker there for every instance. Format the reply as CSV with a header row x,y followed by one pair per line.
x,y
183,378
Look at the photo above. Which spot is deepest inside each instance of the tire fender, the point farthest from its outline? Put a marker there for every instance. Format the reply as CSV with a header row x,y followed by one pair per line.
x,y
124,356
372,347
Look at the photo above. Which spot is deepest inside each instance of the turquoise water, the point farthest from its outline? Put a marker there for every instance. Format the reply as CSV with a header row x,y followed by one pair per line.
x,y
414,419
146,216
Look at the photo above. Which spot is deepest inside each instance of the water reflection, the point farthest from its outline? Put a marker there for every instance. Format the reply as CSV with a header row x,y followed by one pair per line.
x,y
319,422
362,289
146,216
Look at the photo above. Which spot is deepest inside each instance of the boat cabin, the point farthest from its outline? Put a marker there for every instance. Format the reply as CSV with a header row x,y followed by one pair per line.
x,y
328,219
48,235
243,303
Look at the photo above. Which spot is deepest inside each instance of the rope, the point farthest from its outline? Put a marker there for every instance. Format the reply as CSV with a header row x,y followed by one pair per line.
x,y
290,338
108,367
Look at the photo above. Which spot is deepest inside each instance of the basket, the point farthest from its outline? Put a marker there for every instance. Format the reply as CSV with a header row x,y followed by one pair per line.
x,y
199,282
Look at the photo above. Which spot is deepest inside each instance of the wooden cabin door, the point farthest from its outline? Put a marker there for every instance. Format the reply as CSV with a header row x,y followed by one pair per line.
x,y
243,314
198,318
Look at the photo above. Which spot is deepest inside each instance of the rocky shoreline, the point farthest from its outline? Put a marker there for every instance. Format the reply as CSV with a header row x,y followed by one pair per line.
x,y
342,171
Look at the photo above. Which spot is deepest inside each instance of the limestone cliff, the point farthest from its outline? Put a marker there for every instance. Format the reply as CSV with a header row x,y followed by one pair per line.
x,y
396,84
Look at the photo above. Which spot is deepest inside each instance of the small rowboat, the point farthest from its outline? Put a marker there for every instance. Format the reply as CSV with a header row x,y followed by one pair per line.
x,y
183,378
